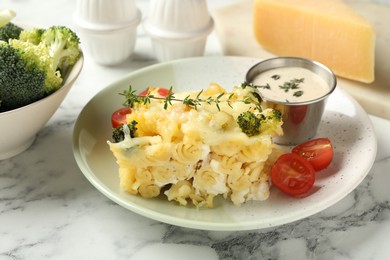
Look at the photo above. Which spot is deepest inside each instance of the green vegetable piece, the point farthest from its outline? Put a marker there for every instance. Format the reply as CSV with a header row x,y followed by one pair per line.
x,y
21,80
10,31
63,45
249,123
254,124
33,36
118,133
38,56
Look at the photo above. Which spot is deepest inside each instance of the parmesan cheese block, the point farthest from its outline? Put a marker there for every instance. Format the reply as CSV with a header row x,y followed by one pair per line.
x,y
326,31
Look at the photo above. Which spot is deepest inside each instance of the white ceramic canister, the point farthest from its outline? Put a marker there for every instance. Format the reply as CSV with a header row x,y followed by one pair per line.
x,y
108,28
178,28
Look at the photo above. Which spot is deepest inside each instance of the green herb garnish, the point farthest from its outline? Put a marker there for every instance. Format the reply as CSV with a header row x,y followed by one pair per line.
x,y
251,85
131,98
298,93
292,84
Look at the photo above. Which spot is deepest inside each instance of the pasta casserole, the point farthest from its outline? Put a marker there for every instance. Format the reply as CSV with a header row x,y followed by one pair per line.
x,y
194,153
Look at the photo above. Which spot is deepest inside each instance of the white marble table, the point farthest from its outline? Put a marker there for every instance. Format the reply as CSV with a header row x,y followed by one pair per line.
x,y
48,210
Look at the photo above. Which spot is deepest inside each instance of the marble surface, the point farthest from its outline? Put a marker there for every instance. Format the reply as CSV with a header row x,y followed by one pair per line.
x,y
48,210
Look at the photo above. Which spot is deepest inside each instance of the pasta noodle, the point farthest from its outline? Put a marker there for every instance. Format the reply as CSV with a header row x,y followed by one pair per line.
x,y
189,153
192,155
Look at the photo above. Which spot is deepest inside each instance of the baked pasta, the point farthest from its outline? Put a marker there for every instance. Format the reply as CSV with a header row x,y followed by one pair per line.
x,y
191,154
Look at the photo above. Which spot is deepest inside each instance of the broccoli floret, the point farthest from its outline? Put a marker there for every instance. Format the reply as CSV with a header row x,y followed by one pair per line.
x,y
20,84
118,133
249,123
63,45
10,31
38,56
33,35
25,74
269,121
275,115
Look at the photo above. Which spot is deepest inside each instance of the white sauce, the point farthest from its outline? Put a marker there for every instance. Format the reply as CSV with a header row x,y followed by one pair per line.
x,y
291,84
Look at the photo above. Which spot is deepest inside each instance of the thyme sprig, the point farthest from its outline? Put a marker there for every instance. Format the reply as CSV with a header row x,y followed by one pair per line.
x,y
131,98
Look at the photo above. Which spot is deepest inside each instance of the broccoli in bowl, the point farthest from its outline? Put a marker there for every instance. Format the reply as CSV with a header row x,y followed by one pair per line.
x,y
33,62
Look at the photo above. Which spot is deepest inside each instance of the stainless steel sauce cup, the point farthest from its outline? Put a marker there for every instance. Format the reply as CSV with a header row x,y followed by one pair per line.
x,y
300,119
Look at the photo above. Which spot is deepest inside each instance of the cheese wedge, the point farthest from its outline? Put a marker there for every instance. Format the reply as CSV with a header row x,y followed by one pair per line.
x,y
326,31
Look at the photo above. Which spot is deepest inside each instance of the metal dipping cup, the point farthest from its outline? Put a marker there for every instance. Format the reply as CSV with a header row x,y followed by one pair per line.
x,y
300,119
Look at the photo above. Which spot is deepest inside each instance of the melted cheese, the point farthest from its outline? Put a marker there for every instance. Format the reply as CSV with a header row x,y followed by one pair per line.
x,y
193,154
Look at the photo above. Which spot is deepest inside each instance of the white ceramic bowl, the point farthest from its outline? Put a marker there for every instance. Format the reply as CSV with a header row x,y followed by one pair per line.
x,y
178,28
20,126
108,29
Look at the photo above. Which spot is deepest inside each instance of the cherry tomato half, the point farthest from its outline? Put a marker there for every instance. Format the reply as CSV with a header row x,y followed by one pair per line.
x,y
292,174
318,152
119,116
161,91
